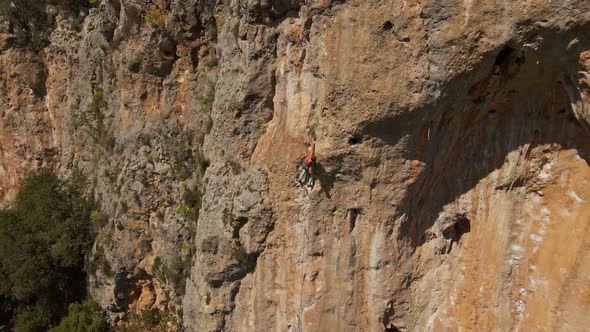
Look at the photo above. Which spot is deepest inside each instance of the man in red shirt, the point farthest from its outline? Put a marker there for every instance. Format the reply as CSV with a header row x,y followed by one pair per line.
x,y
307,169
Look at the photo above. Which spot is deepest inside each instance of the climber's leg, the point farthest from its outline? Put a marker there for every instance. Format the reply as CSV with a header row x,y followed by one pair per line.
x,y
310,181
301,177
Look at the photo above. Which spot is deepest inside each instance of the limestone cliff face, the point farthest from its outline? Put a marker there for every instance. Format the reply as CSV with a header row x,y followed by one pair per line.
x,y
453,141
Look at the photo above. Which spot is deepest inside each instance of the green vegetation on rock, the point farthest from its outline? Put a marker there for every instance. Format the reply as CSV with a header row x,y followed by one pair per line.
x,y
91,121
206,101
82,317
44,238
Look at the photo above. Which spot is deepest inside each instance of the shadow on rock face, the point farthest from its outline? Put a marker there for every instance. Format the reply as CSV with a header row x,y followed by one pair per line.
x,y
519,112
326,180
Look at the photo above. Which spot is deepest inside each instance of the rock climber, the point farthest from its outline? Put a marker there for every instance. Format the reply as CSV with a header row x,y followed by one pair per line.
x,y
307,176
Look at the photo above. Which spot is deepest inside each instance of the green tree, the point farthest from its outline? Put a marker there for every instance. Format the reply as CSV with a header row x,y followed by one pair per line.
x,y
82,317
44,238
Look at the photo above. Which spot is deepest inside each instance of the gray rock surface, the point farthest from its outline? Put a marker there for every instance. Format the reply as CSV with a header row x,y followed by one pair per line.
x,y
452,140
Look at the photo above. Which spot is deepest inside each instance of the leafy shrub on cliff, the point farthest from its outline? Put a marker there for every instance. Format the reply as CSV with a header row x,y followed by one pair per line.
x,y
192,203
185,211
173,269
82,317
206,101
91,121
212,32
155,18
44,237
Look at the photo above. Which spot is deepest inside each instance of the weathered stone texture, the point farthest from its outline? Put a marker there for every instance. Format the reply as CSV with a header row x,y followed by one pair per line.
x,y
452,136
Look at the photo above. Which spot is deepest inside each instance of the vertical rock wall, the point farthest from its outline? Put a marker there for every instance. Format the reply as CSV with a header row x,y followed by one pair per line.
x,y
452,140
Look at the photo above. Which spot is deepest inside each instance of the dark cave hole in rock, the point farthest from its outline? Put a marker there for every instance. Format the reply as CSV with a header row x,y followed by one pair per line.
x,y
135,67
392,329
215,283
461,227
479,100
504,56
353,215
237,225
387,26
388,318
194,55
353,140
